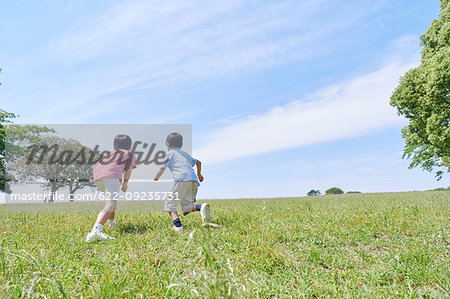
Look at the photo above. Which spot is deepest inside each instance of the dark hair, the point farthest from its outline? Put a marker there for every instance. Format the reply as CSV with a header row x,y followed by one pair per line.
x,y
122,141
174,140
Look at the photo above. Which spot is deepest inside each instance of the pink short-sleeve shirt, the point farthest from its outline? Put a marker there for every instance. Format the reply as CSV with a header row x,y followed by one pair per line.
x,y
113,165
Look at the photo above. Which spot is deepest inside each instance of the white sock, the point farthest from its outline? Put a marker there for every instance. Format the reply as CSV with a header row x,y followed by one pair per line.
x,y
97,227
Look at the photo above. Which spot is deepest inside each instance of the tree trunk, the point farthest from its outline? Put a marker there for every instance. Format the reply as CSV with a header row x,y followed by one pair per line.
x,y
72,190
52,191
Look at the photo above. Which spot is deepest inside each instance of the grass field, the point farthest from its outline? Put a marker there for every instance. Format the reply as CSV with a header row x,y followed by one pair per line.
x,y
359,245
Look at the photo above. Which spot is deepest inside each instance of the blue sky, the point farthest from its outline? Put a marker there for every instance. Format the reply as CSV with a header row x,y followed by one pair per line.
x,y
283,96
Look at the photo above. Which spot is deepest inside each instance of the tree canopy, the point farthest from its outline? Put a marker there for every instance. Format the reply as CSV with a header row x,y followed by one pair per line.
x,y
423,97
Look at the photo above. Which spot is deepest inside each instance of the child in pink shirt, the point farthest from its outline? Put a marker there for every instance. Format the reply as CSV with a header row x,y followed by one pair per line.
x,y
108,173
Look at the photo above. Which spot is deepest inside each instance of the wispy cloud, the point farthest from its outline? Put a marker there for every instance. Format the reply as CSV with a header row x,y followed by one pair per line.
x,y
352,108
139,46
157,43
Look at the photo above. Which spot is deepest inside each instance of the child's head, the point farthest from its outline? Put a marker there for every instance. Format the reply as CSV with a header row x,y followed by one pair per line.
x,y
174,140
122,141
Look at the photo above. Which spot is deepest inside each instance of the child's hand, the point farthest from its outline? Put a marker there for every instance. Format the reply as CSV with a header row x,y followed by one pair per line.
x,y
124,186
159,174
200,177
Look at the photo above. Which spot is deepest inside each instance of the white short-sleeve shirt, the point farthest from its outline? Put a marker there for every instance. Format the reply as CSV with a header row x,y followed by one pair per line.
x,y
181,165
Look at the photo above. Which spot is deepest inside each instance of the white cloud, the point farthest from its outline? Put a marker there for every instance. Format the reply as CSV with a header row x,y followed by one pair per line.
x,y
353,108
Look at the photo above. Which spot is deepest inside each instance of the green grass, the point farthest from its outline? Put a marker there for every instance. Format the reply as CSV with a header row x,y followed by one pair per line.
x,y
358,245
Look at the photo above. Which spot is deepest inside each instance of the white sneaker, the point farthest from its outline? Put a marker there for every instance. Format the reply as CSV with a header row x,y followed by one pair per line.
x,y
177,229
206,213
94,235
104,236
112,223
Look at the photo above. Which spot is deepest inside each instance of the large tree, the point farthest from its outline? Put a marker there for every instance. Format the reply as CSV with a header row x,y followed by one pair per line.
x,y
5,117
423,97
68,167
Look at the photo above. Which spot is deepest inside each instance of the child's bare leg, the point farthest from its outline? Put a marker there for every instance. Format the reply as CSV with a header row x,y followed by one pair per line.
x,y
108,210
174,215
206,216
192,209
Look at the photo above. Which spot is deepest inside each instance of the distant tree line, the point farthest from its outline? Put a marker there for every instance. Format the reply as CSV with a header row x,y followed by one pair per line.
x,y
333,190
336,190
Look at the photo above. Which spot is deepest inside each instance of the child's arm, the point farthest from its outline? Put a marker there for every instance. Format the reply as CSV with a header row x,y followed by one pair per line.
x,y
126,177
199,171
159,174
131,164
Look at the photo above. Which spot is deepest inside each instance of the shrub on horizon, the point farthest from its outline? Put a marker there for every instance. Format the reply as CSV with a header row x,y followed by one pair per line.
x,y
334,190
313,192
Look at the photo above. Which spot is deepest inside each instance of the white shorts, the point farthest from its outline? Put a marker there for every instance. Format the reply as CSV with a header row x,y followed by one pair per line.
x,y
110,187
183,193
